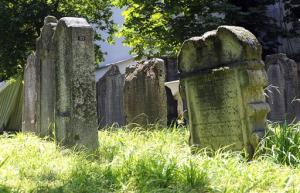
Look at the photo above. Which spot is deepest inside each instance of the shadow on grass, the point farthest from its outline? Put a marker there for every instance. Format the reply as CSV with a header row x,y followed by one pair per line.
x,y
143,175
5,189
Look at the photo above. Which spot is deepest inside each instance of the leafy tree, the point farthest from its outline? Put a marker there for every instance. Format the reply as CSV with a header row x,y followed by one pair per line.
x,y
21,20
155,28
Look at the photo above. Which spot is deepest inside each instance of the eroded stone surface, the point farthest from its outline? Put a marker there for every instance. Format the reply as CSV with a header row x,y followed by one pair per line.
x,y
144,93
110,98
75,114
45,58
283,90
223,78
29,119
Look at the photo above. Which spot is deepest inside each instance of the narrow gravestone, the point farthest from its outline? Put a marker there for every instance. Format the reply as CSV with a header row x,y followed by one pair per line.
x,y
144,93
283,89
223,78
75,113
110,98
29,122
45,54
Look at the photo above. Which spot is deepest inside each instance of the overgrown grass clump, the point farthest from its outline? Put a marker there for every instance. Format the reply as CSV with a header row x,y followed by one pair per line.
x,y
136,161
282,144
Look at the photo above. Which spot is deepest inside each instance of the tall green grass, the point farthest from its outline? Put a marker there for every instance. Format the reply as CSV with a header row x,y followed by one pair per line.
x,y
282,144
136,161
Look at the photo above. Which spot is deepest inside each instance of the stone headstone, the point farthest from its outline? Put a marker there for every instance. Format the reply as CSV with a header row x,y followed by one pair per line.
x,y
283,90
171,69
172,114
110,98
144,93
75,112
223,78
29,122
45,57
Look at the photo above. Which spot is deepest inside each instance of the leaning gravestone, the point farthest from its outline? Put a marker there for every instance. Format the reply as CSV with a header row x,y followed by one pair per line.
x,y
283,91
75,113
45,58
223,77
144,93
29,122
110,97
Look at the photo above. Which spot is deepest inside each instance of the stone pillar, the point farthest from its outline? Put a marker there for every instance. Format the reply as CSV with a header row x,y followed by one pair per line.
x,y
223,77
110,98
283,89
29,121
144,94
45,54
75,113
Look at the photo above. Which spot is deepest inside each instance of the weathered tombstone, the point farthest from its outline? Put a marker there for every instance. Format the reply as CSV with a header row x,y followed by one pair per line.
x,y
283,91
172,113
45,56
110,98
144,93
171,69
75,112
29,123
223,78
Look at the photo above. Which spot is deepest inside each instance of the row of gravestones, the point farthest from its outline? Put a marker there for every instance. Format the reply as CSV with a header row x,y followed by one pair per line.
x,y
59,84
222,78
283,92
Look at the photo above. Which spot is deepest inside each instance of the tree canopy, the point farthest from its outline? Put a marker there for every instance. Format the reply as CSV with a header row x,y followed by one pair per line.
x,y
156,28
21,20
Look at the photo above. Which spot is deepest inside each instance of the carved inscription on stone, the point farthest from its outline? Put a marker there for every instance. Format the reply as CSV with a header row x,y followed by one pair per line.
x,y
222,77
217,111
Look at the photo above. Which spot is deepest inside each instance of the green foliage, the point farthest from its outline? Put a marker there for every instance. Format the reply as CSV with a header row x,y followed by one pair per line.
x,y
157,28
21,20
282,144
136,161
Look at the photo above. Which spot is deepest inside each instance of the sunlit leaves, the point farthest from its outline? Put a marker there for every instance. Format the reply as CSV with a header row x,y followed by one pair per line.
x,y
20,23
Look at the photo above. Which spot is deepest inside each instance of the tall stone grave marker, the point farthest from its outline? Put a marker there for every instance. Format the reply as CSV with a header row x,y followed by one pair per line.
x,y
144,93
29,119
223,78
45,58
110,97
284,89
75,113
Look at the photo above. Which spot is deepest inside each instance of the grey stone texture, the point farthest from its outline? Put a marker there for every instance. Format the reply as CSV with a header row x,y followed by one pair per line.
x,y
110,98
145,100
60,89
222,77
75,109
283,90
29,119
45,58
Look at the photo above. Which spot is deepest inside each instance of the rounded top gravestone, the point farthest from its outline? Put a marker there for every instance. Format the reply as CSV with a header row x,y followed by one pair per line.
x,y
223,76
224,46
